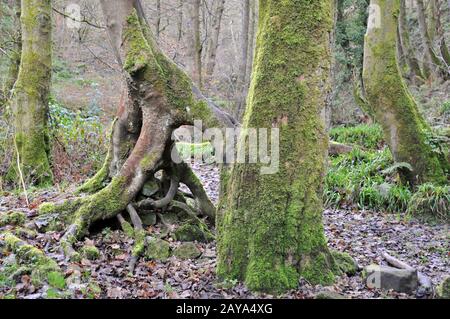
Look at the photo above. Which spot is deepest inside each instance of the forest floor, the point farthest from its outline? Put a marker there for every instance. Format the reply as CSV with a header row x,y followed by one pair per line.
x,y
362,234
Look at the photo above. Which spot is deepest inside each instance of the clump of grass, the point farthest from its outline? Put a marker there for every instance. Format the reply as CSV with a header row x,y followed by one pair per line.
x,y
189,150
368,179
364,135
431,201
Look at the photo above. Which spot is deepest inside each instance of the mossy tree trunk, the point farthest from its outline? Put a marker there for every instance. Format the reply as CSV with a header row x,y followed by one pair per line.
x,y
31,94
270,229
390,101
159,99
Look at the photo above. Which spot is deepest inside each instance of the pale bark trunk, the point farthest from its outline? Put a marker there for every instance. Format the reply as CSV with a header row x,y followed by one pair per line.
x,y
213,41
194,42
242,70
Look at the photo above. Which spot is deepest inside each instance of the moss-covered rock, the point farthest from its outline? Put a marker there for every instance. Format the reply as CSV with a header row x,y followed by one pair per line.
x,y
148,218
345,263
187,251
157,249
189,232
90,252
443,290
325,294
150,188
169,218
13,218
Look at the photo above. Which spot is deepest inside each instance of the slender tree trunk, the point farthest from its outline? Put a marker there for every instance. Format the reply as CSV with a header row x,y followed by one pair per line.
x,y
194,42
13,54
242,70
409,52
441,33
158,18
252,35
213,41
180,20
431,60
270,229
391,103
31,94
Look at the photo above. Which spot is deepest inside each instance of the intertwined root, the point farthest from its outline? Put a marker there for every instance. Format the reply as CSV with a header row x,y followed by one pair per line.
x,y
162,195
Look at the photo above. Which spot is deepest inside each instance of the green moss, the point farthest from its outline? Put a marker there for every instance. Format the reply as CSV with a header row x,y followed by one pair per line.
x,y
41,265
345,263
90,252
139,243
128,229
157,249
56,280
12,218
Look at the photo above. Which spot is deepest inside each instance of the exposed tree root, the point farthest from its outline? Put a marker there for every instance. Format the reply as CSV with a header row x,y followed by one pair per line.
x,y
158,99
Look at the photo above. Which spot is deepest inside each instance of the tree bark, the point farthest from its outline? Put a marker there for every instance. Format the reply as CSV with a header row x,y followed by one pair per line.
x,y
432,63
393,107
158,19
13,54
242,70
194,42
213,41
31,94
410,54
270,229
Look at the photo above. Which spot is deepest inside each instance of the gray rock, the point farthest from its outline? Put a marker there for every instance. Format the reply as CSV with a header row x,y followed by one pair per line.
x,y
187,251
169,218
150,188
389,278
325,294
157,249
148,218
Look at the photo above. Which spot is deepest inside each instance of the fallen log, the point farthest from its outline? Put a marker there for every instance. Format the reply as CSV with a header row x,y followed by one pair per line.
x,y
424,282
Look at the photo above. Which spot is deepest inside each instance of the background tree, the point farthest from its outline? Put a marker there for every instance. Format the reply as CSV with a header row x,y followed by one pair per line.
x,y
194,42
213,40
31,94
393,107
270,228
10,46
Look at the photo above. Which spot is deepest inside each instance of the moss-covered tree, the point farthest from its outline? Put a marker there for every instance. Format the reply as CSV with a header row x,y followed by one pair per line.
x,y
160,98
270,229
392,105
31,93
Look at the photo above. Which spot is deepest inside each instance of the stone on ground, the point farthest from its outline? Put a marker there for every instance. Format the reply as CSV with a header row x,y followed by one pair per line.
x,y
389,278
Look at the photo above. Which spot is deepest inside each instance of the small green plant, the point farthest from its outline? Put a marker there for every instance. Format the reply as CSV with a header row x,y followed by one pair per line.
x,y
431,201
364,135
